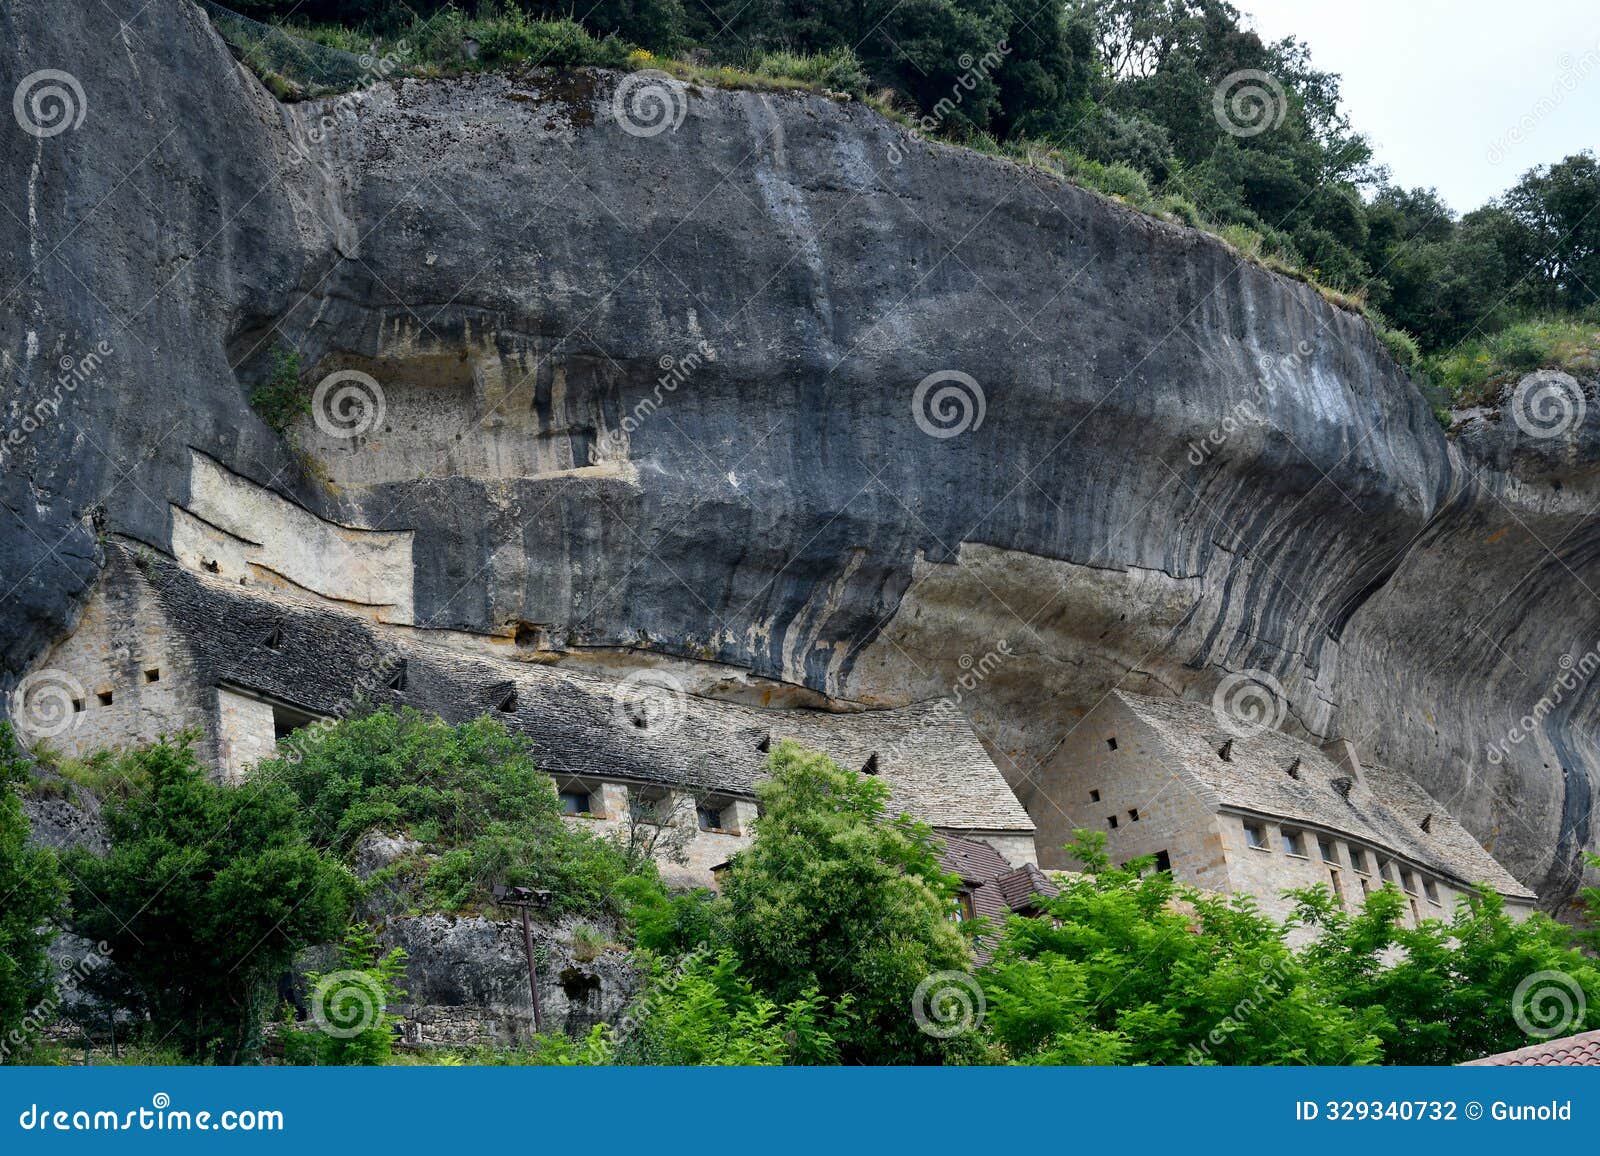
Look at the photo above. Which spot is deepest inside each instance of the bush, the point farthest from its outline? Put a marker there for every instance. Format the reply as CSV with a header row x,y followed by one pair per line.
x,y
280,398
835,899
32,900
470,793
354,1002
205,898
837,70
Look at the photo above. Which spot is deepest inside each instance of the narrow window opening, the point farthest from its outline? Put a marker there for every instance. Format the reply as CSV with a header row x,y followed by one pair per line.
x,y
104,696
1338,890
1325,846
765,743
153,675
1226,752
870,767
1112,820
1094,796
78,706
1427,823
397,680
1358,859
1255,835
1431,889
274,638
1163,862
1294,843
1133,814
1293,769
1111,743
507,704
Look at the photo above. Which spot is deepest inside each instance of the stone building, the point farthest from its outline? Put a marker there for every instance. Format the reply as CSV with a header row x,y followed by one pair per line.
x,y
162,647
1256,814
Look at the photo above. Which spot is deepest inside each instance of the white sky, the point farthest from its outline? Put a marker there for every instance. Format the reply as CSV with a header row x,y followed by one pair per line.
x,y
1463,96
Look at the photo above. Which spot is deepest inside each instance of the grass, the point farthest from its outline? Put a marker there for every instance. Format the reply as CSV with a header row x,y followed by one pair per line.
x,y
1474,371
104,775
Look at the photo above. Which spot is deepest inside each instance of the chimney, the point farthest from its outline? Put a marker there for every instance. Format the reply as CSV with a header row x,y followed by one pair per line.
x,y
1343,754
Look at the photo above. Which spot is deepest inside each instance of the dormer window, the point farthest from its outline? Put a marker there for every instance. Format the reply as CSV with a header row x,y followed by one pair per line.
x,y
508,702
870,767
1225,752
1427,823
764,744
397,680
274,638
1293,769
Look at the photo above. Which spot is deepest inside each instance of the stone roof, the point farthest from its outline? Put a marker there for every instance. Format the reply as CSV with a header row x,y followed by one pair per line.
x,y
1579,1051
934,766
1383,808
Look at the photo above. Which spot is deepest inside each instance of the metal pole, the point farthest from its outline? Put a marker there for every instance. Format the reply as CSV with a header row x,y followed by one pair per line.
x,y
533,971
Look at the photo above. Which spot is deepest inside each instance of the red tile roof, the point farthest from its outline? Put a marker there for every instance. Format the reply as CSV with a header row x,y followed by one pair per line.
x,y
1579,1051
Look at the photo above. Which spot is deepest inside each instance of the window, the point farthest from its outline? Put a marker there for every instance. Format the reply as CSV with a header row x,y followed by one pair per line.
x,y
1338,891
1255,835
1416,914
1163,862
508,702
1366,890
397,680
1111,743
765,743
78,706
963,907
709,816
1325,846
104,696
1112,821
1094,796
153,675
574,801
275,638
645,808
1358,859
1431,889
1410,878
870,767
1133,814
1294,843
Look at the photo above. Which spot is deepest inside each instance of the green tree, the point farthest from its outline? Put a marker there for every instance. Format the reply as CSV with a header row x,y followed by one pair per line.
x,y
1451,990
205,897
1127,967
32,901
469,792
836,898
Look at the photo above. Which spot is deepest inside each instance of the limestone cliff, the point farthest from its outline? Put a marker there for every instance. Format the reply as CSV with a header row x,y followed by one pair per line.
x,y
658,394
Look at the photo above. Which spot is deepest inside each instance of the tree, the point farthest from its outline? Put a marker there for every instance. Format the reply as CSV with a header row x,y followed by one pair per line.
x,y
1127,967
835,898
350,1022
32,901
205,897
469,793
1454,990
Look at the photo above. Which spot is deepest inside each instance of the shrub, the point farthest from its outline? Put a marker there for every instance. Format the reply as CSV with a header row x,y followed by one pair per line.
x,y
280,398
32,900
470,793
353,1001
206,896
837,70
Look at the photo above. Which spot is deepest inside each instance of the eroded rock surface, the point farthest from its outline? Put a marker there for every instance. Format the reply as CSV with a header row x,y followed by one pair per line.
x,y
657,393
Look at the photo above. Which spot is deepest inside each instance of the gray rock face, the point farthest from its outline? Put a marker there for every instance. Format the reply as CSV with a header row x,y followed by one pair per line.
x,y
663,392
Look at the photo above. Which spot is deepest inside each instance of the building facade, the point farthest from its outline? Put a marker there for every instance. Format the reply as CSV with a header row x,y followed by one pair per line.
x,y
1255,815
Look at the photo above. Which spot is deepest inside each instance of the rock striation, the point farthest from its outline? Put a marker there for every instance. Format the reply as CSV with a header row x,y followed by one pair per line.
x,y
672,394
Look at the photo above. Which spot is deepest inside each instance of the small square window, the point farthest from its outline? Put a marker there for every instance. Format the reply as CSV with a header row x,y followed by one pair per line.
x,y
1112,821
152,675
1358,859
963,909
104,696
1094,796
575,802
644,808
78,706
1111,743
1410,878
709,817
1256,836
1329,854
1163,862
1294,843
1133,814
1431,889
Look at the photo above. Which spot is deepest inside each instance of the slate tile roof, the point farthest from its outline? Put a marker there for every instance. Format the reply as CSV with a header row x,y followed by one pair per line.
x,y
1384,808
998,889
1579,1051
927,754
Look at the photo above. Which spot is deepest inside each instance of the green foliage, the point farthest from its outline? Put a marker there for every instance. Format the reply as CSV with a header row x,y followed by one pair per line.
x,y
32,901
357,996
837,70
280,397
1447,991
834,898
1127,967
470,793
1474,370
205,897
704,1011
